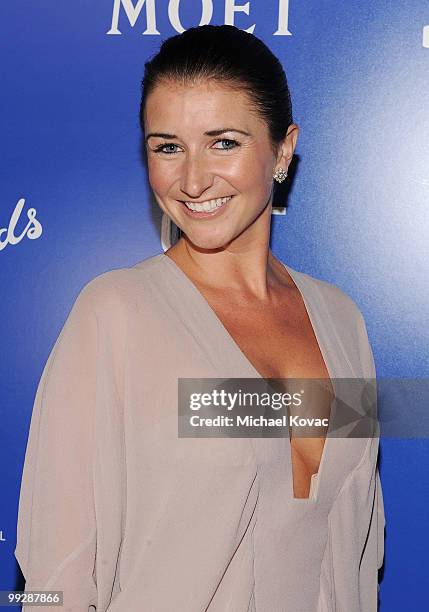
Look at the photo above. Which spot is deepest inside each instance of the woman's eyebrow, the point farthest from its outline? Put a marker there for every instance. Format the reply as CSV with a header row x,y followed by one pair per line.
x,y
210,133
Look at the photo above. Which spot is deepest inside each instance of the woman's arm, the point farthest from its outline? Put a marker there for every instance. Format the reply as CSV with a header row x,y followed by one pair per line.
x,y
373,554
56,529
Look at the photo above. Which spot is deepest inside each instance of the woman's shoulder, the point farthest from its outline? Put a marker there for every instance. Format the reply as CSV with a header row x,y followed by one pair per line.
x,y
336,299
116,289
342,314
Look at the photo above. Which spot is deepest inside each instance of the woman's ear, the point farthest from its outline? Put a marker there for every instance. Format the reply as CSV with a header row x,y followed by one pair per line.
x,y
287,147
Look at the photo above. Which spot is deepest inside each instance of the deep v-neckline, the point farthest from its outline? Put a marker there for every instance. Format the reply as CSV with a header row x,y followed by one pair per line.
x,y
229,338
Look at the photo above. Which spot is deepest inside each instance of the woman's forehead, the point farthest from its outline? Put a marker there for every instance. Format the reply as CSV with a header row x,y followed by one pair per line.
x,y
210,94
200,105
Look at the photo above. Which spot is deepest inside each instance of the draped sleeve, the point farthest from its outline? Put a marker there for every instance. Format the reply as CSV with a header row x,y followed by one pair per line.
x,y
68,530
356,519
373,552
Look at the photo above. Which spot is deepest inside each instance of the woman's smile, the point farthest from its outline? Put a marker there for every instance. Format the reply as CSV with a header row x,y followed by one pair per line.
x,y
207,208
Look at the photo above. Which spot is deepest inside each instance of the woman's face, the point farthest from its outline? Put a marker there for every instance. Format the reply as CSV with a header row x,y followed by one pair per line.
x,y
204,144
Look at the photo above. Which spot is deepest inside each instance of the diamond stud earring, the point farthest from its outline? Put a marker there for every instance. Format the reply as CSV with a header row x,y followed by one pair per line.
x,y
280,175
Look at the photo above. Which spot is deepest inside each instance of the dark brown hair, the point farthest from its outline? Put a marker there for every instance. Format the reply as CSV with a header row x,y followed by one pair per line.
x,y
231,56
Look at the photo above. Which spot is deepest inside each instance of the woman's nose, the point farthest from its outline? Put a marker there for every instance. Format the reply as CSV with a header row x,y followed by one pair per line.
x,y
196,177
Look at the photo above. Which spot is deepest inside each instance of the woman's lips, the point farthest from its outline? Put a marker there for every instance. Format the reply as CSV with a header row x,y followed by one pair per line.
x,y
205,214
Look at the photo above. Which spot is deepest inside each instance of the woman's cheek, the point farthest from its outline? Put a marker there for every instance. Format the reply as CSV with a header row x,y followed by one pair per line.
x,y
156,177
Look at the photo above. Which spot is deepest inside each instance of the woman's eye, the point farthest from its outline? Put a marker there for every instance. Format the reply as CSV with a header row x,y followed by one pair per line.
x,y
161,148
230,142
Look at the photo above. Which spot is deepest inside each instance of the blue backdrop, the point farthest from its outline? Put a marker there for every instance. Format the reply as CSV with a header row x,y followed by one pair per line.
x,y
75,201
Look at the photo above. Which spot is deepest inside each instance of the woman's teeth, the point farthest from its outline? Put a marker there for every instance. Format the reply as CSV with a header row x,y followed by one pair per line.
x,y
208,206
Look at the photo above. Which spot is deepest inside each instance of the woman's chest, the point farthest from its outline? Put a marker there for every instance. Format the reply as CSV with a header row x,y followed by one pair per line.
x,y
278,341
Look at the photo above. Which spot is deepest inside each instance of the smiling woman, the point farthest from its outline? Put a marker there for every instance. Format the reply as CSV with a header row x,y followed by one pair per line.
x,y
116,510
195,174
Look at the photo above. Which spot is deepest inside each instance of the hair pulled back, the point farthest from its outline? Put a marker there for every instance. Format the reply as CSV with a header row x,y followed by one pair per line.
x,y
230,56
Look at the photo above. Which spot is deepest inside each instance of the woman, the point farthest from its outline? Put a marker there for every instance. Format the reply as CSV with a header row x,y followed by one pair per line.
x,y
116,510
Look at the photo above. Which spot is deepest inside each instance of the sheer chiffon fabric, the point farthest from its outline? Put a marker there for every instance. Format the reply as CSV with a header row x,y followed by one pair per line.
x,y
122,515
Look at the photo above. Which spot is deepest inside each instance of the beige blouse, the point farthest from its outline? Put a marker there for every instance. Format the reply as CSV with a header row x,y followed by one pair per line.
x,y
121,514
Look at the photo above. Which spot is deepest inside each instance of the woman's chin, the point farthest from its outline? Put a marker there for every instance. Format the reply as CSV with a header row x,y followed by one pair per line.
x,y
203,240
